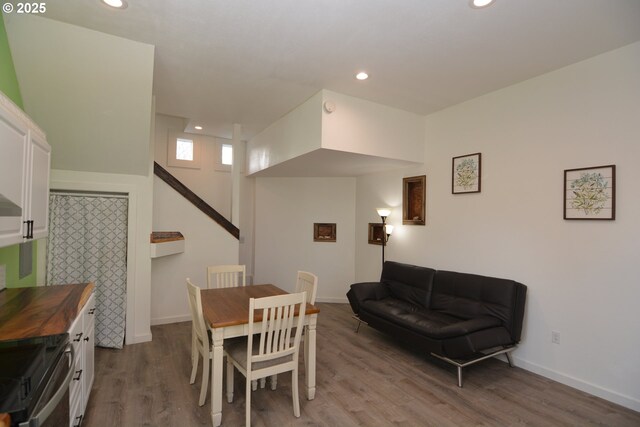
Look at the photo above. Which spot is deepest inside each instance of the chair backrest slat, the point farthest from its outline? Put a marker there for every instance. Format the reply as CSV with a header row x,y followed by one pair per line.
x,y
226,276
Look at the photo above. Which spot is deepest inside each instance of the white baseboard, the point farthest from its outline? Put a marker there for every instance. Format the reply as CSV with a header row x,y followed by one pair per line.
x,y
171,319
137,339
610,395
333,300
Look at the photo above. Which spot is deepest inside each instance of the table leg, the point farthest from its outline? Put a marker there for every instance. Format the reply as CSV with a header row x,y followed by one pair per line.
x,y
310,359
216,377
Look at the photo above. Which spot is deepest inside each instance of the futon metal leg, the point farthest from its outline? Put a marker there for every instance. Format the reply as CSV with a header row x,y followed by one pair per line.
x,y
462,364
359,322
509,359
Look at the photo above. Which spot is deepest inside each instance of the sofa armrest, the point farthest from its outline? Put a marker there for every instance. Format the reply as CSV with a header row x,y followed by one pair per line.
x,y
361,292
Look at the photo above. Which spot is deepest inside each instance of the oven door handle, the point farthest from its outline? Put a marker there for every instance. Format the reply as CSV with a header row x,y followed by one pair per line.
x,y
38,419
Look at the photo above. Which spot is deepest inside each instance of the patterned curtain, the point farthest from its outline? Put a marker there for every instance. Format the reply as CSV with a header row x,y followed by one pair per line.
x,y
88,243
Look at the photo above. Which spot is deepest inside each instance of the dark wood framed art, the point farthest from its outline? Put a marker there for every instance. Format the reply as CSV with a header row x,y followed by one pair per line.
x,y
324,232
466,174
590,193
375,233
414,200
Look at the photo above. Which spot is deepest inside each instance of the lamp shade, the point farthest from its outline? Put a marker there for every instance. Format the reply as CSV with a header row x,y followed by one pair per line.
x,y
383,212
388,229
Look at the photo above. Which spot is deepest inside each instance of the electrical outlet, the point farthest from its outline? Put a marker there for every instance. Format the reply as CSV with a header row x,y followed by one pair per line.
x,y
555,337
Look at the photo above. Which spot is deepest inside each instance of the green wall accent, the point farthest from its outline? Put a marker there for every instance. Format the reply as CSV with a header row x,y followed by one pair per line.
x,y
10,256
8,79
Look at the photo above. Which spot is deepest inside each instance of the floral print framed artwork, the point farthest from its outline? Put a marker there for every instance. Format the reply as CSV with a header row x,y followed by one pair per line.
x,y
466,174
590,193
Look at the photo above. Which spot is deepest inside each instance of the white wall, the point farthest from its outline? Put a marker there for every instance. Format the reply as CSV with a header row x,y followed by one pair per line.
x,y
206,243
355,126
208,182
139,222
582,276
285,211
89,91
364,127
295,134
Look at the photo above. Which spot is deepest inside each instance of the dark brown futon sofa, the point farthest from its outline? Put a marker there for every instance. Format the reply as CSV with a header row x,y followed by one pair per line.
x,y
458,317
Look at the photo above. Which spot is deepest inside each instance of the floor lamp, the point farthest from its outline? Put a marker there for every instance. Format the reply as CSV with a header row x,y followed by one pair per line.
x,y
386,229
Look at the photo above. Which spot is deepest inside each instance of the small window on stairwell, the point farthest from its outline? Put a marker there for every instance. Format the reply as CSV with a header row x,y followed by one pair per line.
x,y
224,155
227,154
183,150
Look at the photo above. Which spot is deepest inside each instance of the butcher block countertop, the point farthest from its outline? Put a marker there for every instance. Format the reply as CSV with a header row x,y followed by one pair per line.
x,y
41,310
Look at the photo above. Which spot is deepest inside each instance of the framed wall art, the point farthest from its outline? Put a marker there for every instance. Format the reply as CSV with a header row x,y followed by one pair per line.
x,y
375,233
324,232
414,200
590,193
466,174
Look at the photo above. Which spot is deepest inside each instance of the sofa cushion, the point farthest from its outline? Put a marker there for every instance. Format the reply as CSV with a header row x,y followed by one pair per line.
x,y
360,292
407,282
469,295
433,324
390,308
402,291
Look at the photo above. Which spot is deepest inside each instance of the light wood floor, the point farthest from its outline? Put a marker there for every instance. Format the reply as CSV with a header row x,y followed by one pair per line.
x,y
364,379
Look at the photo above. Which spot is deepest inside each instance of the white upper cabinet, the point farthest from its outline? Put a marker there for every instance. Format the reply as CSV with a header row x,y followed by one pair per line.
x,y
25,162
14,144
40,165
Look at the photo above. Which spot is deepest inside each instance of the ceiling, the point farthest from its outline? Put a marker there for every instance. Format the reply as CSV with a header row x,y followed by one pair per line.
x,y
219,62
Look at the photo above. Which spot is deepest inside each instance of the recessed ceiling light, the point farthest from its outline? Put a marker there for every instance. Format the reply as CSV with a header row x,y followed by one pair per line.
x,y
362,75
479,4
117,4
197,127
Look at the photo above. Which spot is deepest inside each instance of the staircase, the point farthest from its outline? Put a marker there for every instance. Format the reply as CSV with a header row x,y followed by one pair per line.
x,y
174,183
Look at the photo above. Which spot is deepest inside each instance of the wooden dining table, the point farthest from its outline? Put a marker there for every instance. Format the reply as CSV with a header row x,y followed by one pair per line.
x,y
226,313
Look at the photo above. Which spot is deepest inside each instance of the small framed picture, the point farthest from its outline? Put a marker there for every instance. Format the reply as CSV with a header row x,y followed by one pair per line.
x,y
590,193
324,232
466,174
375,233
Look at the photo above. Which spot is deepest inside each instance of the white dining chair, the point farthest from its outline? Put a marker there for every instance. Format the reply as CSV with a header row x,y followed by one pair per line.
x,y
226,276
305,282
273,348
200,342
229,276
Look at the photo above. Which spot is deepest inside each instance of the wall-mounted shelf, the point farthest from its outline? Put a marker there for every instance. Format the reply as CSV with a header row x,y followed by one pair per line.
x,y
165,243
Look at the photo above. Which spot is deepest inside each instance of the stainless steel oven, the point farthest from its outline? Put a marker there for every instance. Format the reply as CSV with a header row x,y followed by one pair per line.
x,y
34,381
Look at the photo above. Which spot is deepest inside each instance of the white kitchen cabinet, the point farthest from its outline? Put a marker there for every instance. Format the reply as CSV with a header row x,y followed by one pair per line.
x,y
40,165
88,351
25,162
81,335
